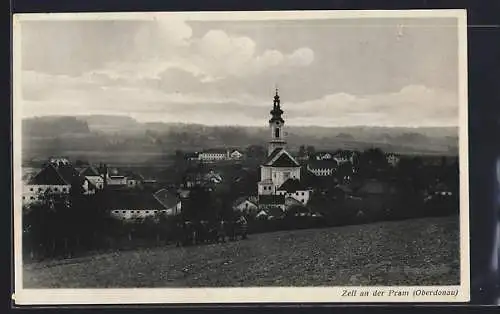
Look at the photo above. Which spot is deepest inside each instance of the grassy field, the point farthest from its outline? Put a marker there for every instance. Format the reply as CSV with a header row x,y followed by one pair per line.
x,y
413,252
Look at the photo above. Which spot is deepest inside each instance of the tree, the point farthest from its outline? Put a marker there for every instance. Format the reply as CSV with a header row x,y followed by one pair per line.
x,y
310,150
302,151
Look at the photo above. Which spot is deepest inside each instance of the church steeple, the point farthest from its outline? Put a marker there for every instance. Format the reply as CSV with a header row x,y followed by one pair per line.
x,y
276,123
276,112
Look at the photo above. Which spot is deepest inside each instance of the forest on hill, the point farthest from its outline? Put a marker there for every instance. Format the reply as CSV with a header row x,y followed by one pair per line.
x,y
93,136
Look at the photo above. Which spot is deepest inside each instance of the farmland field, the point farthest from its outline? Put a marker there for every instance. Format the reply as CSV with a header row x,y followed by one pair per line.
x,y
412,252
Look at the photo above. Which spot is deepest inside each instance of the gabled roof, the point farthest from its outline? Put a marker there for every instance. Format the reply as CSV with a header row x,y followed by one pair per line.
x,y
274,211
168,198
48,176
291,186
241,200
136,200
134,176
68,173
273,154
271,199
285,160
89,172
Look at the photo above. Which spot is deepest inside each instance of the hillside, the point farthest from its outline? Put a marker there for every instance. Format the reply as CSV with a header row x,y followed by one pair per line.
x,y
88,137
412,252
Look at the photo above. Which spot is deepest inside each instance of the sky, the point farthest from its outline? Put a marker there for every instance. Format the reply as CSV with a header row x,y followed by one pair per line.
x,y
330,72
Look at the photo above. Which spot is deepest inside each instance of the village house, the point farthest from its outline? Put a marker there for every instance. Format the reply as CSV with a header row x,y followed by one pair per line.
x,y
55,178
293,188
272,201
93,176
244,205
392,159
322,167
170,200
133,205
323,156
343,156
236,155
134,180
211,155
270,213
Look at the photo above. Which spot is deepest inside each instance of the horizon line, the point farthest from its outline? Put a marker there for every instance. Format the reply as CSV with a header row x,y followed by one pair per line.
x,y
240,125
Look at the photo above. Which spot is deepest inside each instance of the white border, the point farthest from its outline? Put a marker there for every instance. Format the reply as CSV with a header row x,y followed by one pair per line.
x,y
240,295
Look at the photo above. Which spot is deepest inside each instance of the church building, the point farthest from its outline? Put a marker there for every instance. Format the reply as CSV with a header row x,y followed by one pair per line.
x,y
280,173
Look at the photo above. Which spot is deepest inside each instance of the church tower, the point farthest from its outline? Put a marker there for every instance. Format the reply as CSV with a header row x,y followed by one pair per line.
x,y
276,124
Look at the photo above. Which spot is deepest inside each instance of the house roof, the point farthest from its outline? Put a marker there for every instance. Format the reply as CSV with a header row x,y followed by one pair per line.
x,y
48,176
322,164
215,151
271,199
134,176
89,172
285,160
126,199
168,198
68,173
241,200
292,185
274,211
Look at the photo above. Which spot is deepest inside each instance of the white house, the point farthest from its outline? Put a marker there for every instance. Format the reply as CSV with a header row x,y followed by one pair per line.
x,y
91,174
134,205
214,155
322,168
292,188
56,178
244,205
392,159
236,155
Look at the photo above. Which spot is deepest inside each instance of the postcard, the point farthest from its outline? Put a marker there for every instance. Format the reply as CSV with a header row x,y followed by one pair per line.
x,y
240,157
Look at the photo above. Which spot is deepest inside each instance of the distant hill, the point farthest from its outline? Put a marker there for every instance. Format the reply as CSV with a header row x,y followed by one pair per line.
x,y
125,137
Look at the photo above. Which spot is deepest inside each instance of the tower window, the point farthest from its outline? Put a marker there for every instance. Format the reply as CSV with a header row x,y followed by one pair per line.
x,y
276,132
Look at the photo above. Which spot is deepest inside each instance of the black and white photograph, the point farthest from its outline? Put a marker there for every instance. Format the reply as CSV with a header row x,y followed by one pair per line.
x,y
294,156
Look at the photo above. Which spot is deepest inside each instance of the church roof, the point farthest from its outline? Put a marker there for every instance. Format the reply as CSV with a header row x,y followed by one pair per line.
x,y
272,155
291,186
285,160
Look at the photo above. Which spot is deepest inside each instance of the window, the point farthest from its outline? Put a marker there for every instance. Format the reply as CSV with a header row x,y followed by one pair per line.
x,y
39,189
55,189
277,132
147,211
24,197
31,189
131,183
123,212
302,193
64,189
32,198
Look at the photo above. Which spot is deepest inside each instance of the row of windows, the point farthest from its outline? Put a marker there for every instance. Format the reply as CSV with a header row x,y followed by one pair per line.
x,y
49,189
139,211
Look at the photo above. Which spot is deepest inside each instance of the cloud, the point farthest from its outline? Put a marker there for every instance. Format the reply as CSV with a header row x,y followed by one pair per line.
x,y
169,44
413,105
